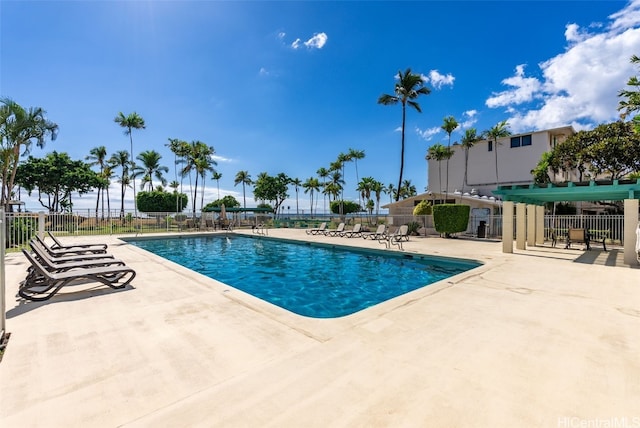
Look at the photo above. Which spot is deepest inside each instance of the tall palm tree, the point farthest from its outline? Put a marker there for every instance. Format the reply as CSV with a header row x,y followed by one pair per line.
x,y
338,166
408,88
217,176
121,159
391,191
296,185
19,128
356,155
107,175
198,159
131,122
323,173
245,178
310,186
469,139
150,160
179,149
449,125
438,152
335,184
377,188
500,130
408,189
98,156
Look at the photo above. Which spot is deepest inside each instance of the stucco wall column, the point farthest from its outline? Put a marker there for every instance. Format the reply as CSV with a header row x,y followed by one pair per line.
x,y
539,224
507,227
532,216
630,224
521,226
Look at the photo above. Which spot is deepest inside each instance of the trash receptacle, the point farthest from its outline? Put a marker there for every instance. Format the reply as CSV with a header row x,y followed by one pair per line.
x,y
482,229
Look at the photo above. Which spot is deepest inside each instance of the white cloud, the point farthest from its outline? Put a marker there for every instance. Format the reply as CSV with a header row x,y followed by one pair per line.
x,y
469,119
219,158
439,80
316,42
427,134
580,85
524,90
264,72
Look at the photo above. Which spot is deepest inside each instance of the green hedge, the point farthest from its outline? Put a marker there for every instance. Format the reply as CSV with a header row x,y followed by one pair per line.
x,y
451,218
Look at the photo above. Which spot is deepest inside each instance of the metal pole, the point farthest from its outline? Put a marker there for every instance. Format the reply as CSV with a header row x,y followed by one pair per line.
x,y
3,318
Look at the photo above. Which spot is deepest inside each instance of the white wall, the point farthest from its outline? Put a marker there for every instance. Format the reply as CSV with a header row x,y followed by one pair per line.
x,y
514,164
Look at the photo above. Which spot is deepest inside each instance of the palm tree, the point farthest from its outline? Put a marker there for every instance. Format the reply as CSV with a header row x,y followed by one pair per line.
x,y
311,185
199,158
408,189
356,155
449,125
296,185
338,166
150,168
501,130
408,88
390,190
217,176
377,188
469,139
438,152
19,128
107,175
203,165
245,178
97,156
179,148
323,173
131,122
121,159
335,184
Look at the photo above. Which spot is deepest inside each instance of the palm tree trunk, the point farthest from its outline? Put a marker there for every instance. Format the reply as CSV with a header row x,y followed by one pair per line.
x,y
404,115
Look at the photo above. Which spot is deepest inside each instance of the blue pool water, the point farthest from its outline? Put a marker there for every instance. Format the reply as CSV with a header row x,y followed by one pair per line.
x,y
310,280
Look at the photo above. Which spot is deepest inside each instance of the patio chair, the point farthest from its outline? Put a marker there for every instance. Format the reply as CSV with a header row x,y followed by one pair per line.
x,y
57,265
317,230
396,238
59,245
42,284
335,232
380,233
70,257
356,231
57,252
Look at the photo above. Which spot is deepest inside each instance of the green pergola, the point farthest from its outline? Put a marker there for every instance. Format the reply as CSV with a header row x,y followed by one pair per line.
x,y
528,200
616,190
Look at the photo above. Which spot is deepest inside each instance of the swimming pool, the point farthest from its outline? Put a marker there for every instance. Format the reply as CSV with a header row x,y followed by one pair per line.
x,y
310,280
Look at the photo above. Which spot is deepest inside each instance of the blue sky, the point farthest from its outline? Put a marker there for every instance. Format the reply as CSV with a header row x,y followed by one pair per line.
x,y
287,86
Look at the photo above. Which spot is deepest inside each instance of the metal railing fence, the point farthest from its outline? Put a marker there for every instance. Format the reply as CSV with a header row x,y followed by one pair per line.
x,y
20,227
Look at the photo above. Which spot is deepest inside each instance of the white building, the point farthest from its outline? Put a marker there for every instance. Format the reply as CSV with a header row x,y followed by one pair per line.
x,y
517,155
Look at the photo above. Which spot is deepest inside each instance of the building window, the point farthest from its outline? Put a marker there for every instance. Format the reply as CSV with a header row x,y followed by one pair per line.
x,y
490,145
521,141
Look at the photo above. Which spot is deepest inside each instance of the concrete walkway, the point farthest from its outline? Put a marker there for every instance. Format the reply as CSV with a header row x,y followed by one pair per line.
x,y
543,338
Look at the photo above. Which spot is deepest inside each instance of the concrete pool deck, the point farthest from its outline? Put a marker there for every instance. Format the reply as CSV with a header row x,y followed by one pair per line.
x,y
546,337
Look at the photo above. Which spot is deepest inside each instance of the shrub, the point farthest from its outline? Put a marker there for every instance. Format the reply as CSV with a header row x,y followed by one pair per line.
x,y
423,208
348,207
451,218
160,201
413,227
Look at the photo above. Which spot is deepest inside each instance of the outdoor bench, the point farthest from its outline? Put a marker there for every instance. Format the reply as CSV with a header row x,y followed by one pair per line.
x,y
575,235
